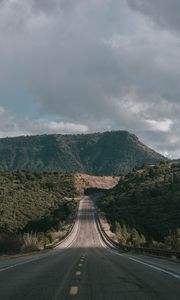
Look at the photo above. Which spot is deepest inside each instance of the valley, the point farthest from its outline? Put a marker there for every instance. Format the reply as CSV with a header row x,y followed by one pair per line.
x,y
50,233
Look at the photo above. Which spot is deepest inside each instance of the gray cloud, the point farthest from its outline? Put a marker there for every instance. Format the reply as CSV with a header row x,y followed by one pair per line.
x,y
164,12
104,64
11,125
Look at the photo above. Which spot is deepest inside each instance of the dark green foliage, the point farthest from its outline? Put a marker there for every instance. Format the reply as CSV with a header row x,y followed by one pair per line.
x,y
127,236
35,201
26,242
99,154
10,243
147,199
173,239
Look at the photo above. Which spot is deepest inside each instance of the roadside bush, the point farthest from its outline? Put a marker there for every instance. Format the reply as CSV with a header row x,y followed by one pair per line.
x,y
50,236
127,236
173,240
10,244
31,242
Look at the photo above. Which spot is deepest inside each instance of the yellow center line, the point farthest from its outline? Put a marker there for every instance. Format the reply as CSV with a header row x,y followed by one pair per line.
x,y
80,265
78,273
73,290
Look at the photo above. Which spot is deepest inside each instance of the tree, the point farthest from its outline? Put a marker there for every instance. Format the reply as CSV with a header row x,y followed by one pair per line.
x,y
173,240
135,238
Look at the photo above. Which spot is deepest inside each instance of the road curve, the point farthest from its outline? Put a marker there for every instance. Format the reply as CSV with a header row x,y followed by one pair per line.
x,y
84,268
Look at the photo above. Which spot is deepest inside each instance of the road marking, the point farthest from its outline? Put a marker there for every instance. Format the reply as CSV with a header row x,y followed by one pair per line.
x,y
115,252
148,265
139,261
96,226
133,259
73,290
35,258
21,263
80,265
78,273
155,268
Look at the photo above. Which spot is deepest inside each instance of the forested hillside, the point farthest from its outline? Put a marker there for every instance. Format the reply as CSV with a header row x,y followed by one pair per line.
x,y
35,207
105,153
32,207
34,201
146,201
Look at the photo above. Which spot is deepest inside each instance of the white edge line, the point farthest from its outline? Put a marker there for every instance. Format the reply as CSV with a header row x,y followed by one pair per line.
x,y
136,260
44,256
155,268
103,244
20,264
38,258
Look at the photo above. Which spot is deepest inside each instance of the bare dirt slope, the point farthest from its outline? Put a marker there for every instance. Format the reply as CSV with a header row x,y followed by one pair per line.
x,y
85,181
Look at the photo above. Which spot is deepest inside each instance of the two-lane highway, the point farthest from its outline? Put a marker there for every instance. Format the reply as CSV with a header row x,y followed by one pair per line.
x,y
83,267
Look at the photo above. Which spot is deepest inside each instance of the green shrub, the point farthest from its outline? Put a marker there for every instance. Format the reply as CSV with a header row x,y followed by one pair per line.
x,y
10,244
149,201
31,242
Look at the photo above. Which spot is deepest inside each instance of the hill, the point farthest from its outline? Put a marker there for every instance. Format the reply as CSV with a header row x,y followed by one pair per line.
x,y
31,201
39,201
40,205
147,201
33,207
105,153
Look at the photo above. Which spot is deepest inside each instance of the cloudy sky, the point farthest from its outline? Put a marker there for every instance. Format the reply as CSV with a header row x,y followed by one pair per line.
x,y
76,66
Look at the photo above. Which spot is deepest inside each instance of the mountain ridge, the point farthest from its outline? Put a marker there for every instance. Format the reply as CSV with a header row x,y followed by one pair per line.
x,y
107,153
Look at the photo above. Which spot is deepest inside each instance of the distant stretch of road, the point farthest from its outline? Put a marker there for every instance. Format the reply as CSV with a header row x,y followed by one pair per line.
x,y
84,268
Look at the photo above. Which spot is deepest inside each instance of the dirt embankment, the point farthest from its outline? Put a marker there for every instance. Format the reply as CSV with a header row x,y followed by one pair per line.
x,y
84,182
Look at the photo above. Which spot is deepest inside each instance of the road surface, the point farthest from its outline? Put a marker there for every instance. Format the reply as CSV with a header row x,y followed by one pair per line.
x,y
84,268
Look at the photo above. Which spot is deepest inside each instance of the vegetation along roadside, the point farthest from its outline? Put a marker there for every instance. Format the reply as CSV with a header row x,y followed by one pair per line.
x,y
144,208
35,209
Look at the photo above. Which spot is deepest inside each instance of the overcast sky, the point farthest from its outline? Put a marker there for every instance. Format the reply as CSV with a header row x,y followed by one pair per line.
x,y
79,66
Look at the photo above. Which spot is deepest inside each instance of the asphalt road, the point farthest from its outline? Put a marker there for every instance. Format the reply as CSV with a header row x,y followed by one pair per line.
x,y
84,268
